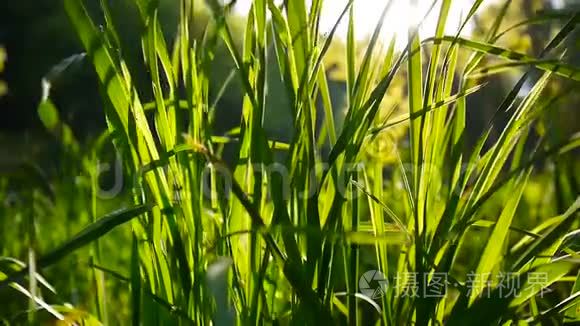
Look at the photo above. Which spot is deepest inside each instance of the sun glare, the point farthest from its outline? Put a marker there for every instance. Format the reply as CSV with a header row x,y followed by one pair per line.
x,y
401,15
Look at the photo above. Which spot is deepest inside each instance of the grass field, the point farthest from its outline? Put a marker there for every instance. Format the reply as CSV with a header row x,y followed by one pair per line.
x,y
386,218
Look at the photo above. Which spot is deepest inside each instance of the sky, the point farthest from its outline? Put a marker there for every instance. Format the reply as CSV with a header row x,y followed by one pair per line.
x,y
397,21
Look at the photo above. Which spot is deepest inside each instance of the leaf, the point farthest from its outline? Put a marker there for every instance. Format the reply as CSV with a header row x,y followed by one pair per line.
x,y
538,280
548,239
499,68
421,113
48,114
557,68
492,253
572,309
66,66
89,234
489,308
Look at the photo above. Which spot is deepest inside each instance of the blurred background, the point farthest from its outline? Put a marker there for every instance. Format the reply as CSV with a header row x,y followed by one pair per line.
x,y
36,37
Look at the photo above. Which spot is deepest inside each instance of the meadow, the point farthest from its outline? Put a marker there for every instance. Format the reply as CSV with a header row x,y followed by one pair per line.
x,y
294,204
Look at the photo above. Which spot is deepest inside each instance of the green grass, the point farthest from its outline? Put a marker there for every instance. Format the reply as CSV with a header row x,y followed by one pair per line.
x,y
290,244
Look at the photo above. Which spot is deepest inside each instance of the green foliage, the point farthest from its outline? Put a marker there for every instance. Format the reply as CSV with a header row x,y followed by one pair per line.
x,y
271,237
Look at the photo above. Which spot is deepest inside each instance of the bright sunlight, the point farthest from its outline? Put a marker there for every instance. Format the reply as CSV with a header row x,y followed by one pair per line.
x,y
401,15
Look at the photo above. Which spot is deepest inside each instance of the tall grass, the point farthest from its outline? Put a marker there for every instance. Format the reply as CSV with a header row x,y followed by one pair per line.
x,y
273,240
